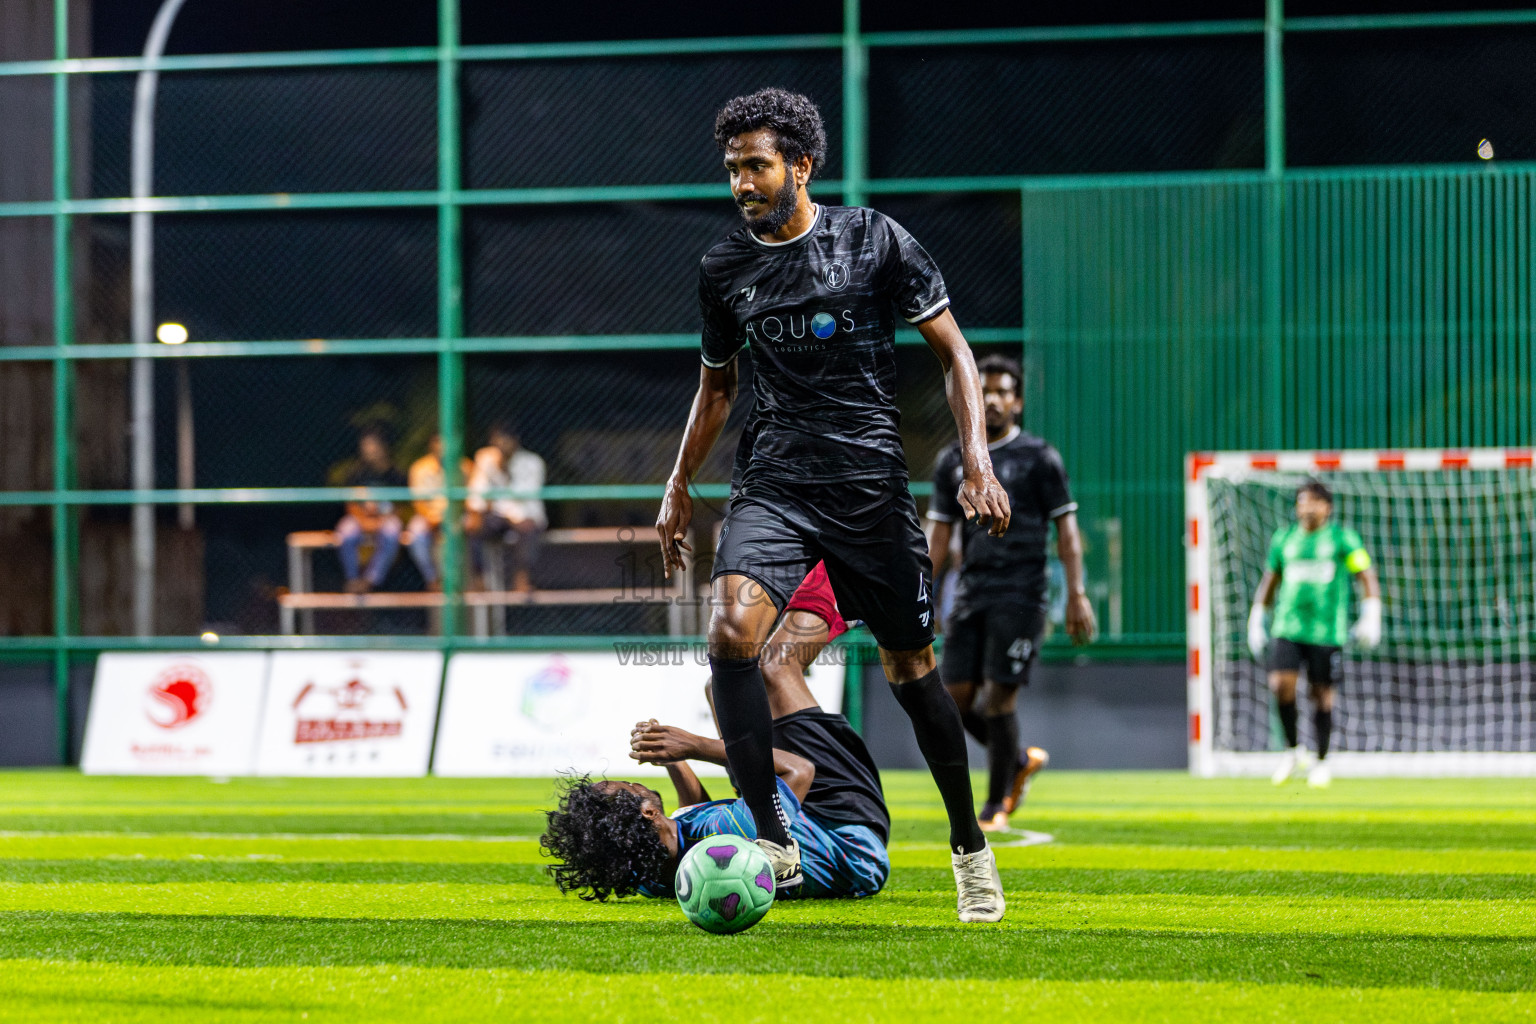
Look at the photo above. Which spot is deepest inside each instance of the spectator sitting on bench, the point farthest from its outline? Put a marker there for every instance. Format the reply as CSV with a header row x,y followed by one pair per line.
x,y
374,520
427,480
519,522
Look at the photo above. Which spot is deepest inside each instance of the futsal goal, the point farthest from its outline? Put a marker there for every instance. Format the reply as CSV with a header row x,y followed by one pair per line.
x,y
1451,689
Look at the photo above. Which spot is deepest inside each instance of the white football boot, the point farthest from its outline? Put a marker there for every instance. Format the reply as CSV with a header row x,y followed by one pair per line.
x,y
785,861
979,886
1294,764
1321,776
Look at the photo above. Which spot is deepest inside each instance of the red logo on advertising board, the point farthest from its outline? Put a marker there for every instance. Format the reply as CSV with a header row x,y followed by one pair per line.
x,y
178,696
348,705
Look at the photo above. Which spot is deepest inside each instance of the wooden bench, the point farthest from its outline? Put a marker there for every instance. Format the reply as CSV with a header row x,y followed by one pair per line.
x,y
297,607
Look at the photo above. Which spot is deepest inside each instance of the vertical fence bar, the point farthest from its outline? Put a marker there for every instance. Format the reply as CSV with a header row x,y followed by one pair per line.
x,y
450,302
63,335
855,106
1274,166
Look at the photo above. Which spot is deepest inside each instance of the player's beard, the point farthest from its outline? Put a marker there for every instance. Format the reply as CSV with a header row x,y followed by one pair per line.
x,y
778,214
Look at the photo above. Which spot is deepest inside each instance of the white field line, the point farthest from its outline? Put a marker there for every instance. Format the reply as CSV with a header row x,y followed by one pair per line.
x,y
279,836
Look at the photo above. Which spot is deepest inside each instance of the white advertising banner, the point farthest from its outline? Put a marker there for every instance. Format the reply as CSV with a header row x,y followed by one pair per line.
x,y
360,713
540,714
174,714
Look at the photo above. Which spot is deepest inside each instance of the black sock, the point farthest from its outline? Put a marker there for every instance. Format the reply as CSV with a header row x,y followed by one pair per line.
x,y
975,724
941,738
1002,756
1324,721
1287,721
746,727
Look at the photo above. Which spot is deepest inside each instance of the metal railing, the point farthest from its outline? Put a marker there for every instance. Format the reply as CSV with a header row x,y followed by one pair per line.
x,y
1267,216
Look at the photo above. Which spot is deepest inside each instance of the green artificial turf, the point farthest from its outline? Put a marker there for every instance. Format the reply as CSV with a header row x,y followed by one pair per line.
x,y
1162,898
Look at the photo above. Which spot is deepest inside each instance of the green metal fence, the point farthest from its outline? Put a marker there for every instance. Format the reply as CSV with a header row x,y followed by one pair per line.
x,y
1158,311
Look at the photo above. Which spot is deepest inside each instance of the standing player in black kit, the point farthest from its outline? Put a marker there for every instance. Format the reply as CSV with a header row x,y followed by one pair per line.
x,y
813,291
998,618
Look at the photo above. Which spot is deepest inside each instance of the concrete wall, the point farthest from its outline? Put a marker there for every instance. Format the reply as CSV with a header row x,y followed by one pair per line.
x,y
1087,716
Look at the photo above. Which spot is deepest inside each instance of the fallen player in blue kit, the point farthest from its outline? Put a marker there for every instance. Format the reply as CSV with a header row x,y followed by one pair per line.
x,y
614,838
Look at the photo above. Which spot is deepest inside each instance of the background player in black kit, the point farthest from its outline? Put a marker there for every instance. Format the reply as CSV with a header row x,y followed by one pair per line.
x,y
998,618
814,291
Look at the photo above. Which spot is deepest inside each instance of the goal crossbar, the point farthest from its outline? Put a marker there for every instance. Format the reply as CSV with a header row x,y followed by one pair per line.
x,y
1221,674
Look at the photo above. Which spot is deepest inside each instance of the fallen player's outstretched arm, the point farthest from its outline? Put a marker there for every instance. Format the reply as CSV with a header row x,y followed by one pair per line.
x,y
653,743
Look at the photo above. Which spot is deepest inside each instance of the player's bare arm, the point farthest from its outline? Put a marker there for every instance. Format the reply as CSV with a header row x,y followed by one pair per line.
x,y
653,743
711,407
981,496
1081,624
1269,583
940,536
1258,634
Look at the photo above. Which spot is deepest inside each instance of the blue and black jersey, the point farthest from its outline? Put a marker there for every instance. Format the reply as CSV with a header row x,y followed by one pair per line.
x,y
838,860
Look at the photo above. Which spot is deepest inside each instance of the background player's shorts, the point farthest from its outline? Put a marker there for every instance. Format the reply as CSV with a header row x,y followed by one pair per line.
x,y
1325,665
992,643
867,533
815,596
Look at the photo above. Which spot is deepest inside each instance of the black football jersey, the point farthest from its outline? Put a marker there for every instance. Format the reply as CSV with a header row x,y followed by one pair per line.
x,y
1010,567
819,316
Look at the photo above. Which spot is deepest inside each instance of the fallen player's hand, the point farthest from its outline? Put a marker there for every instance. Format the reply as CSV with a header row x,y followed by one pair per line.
x,y
653,743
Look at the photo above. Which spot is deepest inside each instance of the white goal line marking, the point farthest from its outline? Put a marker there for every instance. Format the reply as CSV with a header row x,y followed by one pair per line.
x,y
278,836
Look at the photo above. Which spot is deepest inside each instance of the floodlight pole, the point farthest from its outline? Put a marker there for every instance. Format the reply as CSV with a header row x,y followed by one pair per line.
x,y
141,320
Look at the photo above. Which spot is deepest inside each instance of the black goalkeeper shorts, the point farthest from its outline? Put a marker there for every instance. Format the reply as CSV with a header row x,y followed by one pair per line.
x,y
867,533
992,642
1325,665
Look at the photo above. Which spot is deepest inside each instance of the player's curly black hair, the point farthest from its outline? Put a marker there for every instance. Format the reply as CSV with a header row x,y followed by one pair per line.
x,y
604,846
794,118
996,363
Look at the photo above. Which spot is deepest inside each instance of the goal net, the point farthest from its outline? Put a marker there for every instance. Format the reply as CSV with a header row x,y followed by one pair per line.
x,y
1451,689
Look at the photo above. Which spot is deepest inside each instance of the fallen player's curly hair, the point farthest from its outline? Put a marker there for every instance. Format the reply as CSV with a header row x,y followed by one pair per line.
x,y
794,118
603,844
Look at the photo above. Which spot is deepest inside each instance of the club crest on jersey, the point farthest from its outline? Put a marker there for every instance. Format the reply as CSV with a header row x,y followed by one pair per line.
x,y
837,275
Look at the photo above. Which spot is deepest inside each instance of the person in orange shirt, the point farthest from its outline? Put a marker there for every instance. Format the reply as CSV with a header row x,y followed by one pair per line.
x,y
427,479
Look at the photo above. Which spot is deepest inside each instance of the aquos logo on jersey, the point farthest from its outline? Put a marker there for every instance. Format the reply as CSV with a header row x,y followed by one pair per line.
x,y
796,326
177,696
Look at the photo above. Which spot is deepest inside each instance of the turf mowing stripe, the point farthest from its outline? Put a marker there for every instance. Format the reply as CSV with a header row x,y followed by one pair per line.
x,y
1248,815
1082,881
1027,909
907,827
131,993
819,948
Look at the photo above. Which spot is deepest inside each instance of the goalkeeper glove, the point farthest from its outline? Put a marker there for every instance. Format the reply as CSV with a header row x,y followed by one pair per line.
x,y
1367,631
1258,636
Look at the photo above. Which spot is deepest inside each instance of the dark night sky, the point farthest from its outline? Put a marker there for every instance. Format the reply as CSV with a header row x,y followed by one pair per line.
x,y
211,26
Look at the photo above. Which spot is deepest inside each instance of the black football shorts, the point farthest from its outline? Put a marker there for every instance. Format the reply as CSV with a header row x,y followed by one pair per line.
x,y
867,533
1325,664
992,642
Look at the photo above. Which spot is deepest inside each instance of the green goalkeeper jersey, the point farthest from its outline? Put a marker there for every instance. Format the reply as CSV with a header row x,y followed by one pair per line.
x,y
1315,573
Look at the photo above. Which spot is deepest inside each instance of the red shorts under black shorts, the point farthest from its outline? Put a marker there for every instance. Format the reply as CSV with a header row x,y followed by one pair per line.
x,y
815,596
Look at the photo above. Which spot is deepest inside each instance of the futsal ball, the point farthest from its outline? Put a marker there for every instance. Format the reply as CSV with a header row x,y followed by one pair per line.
x,y
725,884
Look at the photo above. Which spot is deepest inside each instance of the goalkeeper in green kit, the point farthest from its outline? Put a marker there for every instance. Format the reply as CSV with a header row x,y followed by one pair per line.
x,y
1310,567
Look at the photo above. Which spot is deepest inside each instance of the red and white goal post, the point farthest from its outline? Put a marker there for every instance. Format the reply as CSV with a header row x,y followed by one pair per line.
x,y
1451,689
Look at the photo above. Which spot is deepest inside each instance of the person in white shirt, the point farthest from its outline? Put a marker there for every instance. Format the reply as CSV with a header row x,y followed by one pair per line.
x,y
518,522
